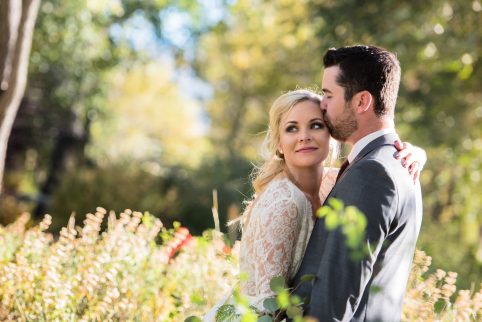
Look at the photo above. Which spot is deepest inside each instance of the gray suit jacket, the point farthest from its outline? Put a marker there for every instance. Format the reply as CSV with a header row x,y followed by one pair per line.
x,y
370,289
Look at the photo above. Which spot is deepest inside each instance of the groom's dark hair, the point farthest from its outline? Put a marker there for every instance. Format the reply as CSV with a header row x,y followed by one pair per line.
x,y
369,68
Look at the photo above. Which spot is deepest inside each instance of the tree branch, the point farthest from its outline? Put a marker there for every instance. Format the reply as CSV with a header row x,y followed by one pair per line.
x,y
10,16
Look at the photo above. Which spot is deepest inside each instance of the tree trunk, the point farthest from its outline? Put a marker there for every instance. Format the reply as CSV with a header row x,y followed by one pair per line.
x,y
70,145
17,21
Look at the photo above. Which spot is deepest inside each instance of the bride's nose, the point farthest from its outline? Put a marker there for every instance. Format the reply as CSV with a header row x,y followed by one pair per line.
x,y
304,136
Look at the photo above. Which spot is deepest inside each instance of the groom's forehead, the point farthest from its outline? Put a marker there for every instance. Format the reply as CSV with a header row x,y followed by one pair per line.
x,y
329,78
331,71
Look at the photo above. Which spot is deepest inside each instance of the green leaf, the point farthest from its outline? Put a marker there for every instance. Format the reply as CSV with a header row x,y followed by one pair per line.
x,y
277,284
294,311
227,313
271,305
227,241
243,276
357,255
336,204
323,211
308,277
331,221
193,319
147,219
440,305
176,225
197,299
375,289
265,318
283,299
296,300
249,316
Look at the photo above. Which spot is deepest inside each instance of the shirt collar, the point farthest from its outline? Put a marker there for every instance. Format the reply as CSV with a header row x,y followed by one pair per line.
x,y
363,142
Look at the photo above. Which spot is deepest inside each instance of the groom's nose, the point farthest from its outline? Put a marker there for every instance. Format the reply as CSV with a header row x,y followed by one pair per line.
x,y
322,104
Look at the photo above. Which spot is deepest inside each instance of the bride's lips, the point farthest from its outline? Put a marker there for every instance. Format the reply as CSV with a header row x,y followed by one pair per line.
x,y
306,150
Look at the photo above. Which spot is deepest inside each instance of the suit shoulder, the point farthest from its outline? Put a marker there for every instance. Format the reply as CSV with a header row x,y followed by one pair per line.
x,y
371,168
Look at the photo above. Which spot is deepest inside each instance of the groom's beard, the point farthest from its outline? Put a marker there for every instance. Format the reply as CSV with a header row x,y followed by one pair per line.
x,y
344,126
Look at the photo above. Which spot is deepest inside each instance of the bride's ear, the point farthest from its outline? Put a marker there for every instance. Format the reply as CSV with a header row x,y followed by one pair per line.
x,y
279,152
362,101
279,149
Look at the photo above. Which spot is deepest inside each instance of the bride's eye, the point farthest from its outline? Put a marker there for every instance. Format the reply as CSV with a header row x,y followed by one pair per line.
x,y
317,125
290,128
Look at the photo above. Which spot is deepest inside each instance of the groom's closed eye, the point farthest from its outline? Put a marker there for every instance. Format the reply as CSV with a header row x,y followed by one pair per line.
x,y
326,93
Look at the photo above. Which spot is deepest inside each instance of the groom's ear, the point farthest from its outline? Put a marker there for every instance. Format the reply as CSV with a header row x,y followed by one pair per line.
x,y
363,101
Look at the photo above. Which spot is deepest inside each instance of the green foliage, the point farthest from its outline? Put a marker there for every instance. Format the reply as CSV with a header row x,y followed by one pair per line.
x,y
259,68
115,187
77,47
308,278
271,305
265,318
438,45
350,220
277,283
256,51
123,274
227,313
150,122
282,303
119,274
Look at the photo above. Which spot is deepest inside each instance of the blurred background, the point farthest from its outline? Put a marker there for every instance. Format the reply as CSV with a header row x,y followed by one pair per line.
x,y
151,105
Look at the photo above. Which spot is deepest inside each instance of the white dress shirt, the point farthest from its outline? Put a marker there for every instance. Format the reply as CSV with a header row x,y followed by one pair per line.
x,y
363,142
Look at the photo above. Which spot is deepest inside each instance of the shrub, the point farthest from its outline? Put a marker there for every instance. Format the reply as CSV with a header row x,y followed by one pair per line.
x,y
117,275
137,270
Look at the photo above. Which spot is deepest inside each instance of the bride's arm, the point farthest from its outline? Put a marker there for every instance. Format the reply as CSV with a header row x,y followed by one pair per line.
x,y
328,182
412,157
270,241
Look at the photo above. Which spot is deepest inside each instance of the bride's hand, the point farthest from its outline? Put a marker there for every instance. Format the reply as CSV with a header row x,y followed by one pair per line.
x,y
413,158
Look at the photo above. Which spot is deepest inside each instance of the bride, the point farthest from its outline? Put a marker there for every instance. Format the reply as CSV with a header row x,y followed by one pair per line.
x,y
289,187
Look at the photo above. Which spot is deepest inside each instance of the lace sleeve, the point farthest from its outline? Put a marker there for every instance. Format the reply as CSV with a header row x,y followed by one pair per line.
x,y
327,183
268,243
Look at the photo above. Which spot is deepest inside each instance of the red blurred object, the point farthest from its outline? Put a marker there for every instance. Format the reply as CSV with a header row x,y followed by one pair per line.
x,y
181,238
227,250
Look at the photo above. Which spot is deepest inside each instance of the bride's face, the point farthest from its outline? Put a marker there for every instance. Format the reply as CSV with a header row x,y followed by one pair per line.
x,y
304,137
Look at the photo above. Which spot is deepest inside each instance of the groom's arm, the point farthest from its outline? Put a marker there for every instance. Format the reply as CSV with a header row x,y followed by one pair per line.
x,y
342,281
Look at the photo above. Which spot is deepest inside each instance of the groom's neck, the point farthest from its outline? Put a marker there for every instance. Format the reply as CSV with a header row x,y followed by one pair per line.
x,y
368,126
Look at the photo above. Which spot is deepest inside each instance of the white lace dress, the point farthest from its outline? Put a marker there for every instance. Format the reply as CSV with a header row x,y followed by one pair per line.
x,y
275,237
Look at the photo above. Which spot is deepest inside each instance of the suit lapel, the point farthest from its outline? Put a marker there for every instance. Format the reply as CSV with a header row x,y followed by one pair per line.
x,y
386,139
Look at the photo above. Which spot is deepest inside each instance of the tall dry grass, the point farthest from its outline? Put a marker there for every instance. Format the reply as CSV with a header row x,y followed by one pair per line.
x,y
434,297
127,273
117,275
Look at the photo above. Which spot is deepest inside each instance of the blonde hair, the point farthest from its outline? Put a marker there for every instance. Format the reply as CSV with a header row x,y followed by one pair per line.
x,y
274,163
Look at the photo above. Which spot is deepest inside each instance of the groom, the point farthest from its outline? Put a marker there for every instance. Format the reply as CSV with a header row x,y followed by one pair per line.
x,y
360,85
